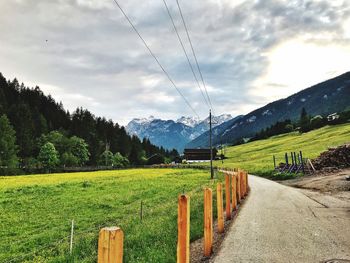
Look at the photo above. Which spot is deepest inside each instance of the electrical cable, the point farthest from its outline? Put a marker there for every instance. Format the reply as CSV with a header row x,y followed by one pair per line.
x,y
155,58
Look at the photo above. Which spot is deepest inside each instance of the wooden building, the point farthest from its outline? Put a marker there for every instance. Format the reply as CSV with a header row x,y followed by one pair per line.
x,y
199,154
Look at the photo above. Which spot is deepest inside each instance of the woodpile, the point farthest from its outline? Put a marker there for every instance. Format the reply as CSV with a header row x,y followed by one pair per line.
x,y
337,157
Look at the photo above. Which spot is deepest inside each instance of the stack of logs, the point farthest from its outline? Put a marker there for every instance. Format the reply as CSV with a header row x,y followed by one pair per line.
x,y
336,157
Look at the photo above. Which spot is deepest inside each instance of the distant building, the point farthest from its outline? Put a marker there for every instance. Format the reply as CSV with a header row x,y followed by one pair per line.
x,y
198,155
333,116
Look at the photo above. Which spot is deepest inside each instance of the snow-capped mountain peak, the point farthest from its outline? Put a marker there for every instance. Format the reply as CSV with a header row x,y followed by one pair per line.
x,y
143,120
189,121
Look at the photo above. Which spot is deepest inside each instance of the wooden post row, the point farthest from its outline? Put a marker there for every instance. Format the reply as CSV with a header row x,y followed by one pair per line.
x,y
183,229
227,195
208,222
220,208
110,245
233,190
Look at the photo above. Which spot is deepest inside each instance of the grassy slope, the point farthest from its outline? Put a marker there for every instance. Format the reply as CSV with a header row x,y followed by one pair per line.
x,y
256,157
36,212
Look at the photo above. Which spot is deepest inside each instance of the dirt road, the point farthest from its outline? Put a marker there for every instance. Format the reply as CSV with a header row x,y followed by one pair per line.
x,y
283,224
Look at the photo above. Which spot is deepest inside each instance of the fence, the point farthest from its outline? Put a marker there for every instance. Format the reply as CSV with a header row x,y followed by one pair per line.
x,y
110,243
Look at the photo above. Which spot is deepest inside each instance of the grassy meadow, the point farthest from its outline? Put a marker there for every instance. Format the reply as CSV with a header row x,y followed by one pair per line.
x,y
36,213
256,157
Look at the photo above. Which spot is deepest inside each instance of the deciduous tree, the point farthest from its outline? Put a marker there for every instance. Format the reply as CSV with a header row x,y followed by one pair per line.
x,y
48,156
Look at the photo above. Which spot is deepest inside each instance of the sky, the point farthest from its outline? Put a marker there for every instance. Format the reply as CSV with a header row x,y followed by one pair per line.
x,y
84,53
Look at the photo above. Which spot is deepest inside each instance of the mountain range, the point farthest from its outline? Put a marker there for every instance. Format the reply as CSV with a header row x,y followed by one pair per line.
x,y
327,97
172,134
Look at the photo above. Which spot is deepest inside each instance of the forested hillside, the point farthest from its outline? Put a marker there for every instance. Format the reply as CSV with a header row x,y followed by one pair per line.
x,y
79,138
327,97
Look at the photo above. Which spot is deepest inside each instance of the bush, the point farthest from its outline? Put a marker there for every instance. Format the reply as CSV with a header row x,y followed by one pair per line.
x,y
120,161
317,122
10,171
69,159
48,156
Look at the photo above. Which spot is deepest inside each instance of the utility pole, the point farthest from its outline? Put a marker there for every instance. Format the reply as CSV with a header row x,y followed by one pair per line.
x,y
222,152
211,147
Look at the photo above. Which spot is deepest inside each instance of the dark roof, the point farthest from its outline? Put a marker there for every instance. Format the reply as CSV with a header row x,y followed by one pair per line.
x,y
197,150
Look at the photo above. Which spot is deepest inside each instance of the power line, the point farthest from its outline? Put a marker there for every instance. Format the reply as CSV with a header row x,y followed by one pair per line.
x,y
155,58
184,50
194,54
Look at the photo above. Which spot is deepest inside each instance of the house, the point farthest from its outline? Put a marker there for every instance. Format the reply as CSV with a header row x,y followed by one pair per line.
x,y
198,155
333,116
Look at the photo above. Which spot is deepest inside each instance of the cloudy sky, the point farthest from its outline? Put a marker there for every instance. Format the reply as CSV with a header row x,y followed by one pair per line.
x,y
84,53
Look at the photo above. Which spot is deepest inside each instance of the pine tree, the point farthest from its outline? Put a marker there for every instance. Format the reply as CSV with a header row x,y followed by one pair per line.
x,y
304,121
8,147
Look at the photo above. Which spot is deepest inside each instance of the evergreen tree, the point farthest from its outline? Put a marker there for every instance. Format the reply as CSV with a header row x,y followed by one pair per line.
x,y
134,156
3,102
8,147
22,121
304,121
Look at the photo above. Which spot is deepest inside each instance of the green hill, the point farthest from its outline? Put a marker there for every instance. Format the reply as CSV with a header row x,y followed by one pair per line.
x,y
256,157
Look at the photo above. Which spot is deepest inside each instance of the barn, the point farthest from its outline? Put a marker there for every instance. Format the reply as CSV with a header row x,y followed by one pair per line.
x,y
197,155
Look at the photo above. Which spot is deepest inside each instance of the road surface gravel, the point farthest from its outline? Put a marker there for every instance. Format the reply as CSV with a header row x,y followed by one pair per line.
x,y
279,223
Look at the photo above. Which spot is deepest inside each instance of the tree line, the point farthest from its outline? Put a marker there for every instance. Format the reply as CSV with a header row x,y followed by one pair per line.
x,y
305,123
36,131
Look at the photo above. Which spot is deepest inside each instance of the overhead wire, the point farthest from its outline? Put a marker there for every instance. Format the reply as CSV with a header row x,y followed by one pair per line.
x,y
194,54
184,50
155,58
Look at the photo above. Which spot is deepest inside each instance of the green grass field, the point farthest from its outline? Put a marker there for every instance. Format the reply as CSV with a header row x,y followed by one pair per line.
x,y
36,213
256,157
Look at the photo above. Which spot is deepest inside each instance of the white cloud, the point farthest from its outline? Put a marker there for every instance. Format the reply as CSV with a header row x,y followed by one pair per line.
x,y
250,52
297,64
346,28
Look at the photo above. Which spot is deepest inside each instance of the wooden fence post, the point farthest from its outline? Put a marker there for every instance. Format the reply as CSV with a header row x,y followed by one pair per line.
x,y
208,222
242,188
183,229
110,245
238,188
234,197
247,182
220,208
227,195
242,184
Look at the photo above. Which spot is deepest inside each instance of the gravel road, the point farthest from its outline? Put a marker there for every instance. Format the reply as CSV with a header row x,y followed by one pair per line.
x,y
283,224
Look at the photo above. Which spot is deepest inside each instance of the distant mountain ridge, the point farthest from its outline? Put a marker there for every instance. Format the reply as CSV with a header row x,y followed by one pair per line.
x,y
327,97
172,134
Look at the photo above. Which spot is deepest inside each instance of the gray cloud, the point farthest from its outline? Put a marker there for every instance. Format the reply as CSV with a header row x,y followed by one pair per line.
x,y
93,58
